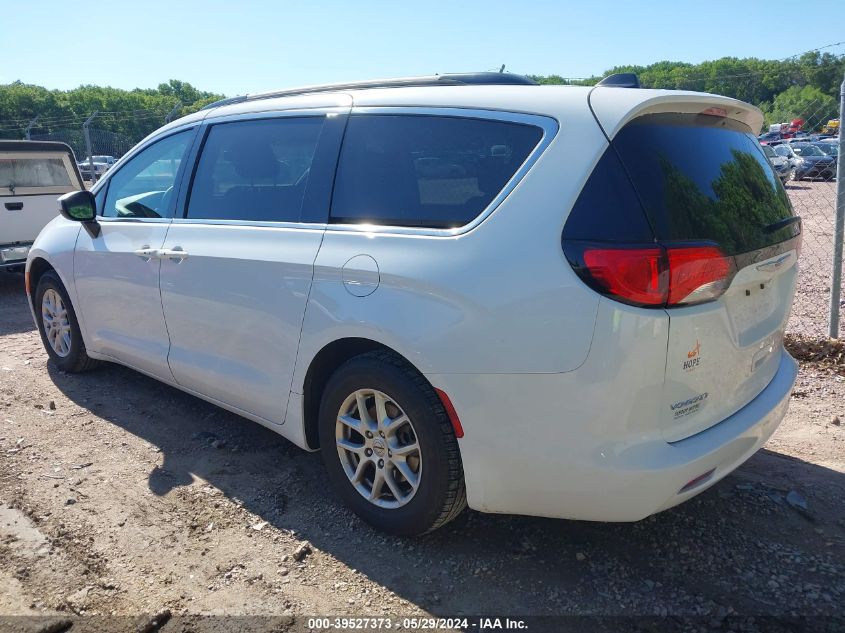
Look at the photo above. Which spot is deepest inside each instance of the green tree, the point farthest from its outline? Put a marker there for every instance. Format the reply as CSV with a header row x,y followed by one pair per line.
x,y
807,103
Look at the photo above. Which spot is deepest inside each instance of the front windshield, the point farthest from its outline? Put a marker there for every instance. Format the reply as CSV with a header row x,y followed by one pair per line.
x,y
768,151
807,150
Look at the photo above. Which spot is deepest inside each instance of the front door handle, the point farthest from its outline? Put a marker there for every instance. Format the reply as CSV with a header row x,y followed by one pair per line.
x,y
146,253
175,254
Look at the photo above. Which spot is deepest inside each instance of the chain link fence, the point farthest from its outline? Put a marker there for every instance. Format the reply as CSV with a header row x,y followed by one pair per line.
x,y
805,146
97,140
802,129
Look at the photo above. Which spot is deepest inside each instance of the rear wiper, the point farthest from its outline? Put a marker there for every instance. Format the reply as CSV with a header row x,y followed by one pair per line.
x,y
780,224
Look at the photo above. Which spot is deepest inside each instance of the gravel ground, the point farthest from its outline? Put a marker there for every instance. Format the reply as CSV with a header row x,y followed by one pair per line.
x,y
815,203
121,496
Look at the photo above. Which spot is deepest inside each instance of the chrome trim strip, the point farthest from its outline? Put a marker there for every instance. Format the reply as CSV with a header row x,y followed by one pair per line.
x,y
275,114
252,223
114,220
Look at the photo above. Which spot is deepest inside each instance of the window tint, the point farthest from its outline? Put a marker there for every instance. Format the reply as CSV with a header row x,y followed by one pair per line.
x,y
427,171
16,173
143,187
255,170
607,208
705,178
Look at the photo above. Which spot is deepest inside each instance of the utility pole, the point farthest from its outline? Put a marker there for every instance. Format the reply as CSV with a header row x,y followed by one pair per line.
x,y
86,132
839,227
30,126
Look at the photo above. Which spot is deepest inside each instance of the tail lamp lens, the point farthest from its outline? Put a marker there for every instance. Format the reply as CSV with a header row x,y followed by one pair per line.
x,y
635,274
697,273
653,275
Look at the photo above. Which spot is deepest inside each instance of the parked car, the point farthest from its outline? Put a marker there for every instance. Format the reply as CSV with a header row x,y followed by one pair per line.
x,y
831,149
101,165
768,137
32,175
808,161
565,326
781,164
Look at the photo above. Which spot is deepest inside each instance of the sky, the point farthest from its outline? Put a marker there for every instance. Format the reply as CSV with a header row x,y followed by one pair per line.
x,y
245,46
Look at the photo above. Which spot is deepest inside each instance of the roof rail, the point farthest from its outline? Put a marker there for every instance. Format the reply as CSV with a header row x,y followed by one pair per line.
x,y
448,79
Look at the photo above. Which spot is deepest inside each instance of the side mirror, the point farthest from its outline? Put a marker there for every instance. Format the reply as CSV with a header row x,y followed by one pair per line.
x,y
80,206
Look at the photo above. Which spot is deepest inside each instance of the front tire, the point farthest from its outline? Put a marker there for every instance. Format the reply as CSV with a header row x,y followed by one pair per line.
x,y
388,446
59,327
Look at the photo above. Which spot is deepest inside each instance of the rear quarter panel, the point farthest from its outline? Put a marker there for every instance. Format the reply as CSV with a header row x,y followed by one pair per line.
x,y
500,298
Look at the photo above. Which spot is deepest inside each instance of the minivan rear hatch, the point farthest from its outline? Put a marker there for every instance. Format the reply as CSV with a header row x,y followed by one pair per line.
x,y
707,190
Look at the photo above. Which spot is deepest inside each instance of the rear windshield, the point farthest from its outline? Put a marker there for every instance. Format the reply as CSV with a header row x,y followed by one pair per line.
x,y
21,173
807,150
705,178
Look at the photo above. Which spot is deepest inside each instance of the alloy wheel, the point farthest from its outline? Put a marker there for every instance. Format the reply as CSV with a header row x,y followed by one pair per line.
x,y
378,448
56,324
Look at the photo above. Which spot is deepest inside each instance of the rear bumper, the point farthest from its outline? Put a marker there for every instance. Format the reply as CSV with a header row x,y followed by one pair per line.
x,y
545,462
13,255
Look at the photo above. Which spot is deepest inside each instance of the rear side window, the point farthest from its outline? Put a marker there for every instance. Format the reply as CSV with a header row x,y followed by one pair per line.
x,y
705,178
255,170
608,210
425,171
36,173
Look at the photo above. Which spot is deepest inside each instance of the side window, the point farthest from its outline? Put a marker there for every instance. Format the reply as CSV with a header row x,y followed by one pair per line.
x,y
255,170
143,188
428,171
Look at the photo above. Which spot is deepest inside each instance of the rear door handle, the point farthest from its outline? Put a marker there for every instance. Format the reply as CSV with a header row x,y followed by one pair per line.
x,y
14,206
175,254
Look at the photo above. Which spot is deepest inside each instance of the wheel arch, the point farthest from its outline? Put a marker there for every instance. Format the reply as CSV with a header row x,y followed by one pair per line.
x,y
35,270
324,363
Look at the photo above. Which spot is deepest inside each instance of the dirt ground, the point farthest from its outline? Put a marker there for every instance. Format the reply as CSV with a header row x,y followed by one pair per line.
x,y
121,496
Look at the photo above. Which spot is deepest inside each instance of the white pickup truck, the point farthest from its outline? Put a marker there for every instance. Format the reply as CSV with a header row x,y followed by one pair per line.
x,y
32,175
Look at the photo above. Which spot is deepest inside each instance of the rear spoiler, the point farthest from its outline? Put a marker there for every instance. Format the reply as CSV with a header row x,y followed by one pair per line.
x,y
614,107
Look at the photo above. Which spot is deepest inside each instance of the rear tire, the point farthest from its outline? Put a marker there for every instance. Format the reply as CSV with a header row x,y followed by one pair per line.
x,y
59,327
418,441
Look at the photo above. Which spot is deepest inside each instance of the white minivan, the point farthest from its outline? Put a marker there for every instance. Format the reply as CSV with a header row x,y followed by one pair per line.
x,y
464,289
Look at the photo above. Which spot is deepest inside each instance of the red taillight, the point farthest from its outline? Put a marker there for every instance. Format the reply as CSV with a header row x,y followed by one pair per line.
x,y
635,274
654,276
696,274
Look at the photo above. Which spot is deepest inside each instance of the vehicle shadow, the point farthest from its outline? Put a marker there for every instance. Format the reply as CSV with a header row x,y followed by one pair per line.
x,y
15,316
739,545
